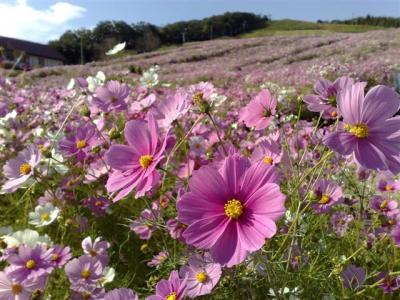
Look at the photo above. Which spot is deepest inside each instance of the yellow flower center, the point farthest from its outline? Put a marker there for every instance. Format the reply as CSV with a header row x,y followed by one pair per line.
x,y
334,114
171,296
25,168
55,257
85,274
198,98
30,264
383,205
360,130
45,216
324,199
143,247
267,113
233,209
145,161
81,144
389,188
16,289
201,277
268,160
99,203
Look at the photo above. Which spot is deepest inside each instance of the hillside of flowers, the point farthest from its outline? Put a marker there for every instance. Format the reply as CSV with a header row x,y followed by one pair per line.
x,y
262,168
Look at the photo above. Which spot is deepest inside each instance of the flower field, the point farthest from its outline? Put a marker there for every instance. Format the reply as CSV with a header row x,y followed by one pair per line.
x,y
253,168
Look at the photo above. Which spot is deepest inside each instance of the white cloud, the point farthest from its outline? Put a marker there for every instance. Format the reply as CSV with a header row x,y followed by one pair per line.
x,y
20,20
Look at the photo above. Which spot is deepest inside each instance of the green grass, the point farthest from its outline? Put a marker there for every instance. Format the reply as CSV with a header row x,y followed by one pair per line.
x,y
295,27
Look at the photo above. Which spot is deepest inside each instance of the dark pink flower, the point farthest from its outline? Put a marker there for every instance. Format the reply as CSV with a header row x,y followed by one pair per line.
x,y
231,211
134,165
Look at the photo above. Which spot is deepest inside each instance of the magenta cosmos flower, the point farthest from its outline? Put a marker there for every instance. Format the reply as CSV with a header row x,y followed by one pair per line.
x,y
202,275
80,144
259,111
369,131
111,97
20,169
326,193
326,94
172,289
231,211
134,165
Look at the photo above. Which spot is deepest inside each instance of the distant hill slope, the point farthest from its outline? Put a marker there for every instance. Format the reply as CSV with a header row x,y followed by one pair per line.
x,y
292,60
290,27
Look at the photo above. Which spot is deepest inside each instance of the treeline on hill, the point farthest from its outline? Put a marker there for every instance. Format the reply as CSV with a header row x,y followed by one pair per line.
x,y
369,20
85,45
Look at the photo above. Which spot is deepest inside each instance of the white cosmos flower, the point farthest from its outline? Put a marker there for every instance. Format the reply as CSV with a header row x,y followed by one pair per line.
x,y
94,82
117,48
217,100
55,162
150,77
27,237
71,84
44,215
108,275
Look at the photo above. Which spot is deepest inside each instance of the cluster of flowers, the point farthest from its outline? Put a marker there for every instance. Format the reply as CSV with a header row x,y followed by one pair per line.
x,y
219,184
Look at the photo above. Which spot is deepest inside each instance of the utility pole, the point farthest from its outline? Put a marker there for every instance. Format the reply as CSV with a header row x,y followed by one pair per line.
x,y
81,51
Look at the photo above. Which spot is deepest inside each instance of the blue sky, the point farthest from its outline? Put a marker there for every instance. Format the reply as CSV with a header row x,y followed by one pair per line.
x,y
41,20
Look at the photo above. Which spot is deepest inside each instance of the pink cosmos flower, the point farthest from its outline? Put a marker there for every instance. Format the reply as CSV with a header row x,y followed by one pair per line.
x,y
231,210
98,205
80,144
82,271
326,94
145,225
19,290
259,111
202,275
20,169
171,109
111,97
326,193
97,248
172,289
158,259
369,132
267,151
121,294
29,263
384,206
387,185
135,164
396,235
59,256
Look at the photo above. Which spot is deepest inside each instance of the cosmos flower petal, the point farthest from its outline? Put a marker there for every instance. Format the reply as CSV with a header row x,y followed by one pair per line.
x,y
378,111
340,141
